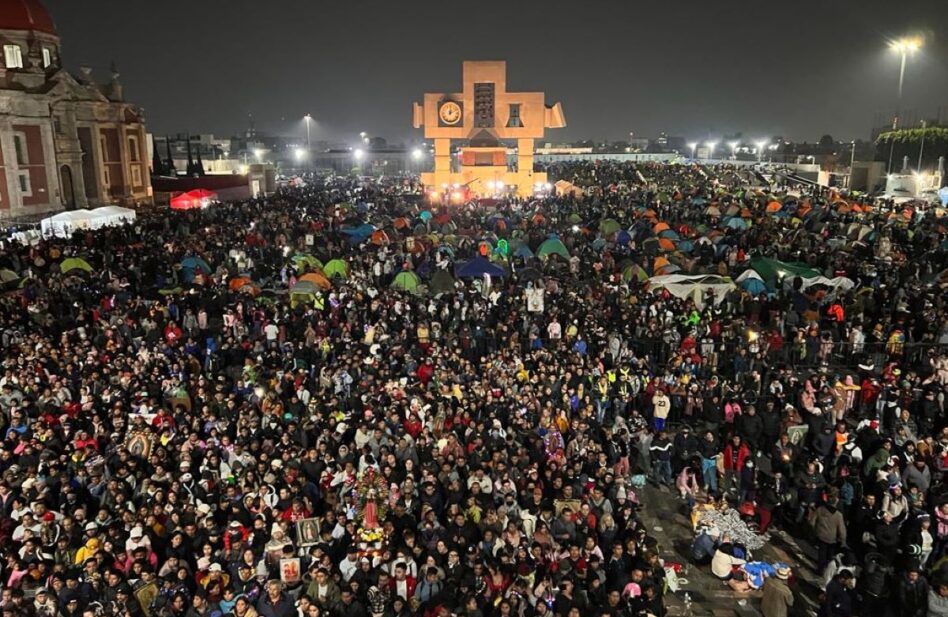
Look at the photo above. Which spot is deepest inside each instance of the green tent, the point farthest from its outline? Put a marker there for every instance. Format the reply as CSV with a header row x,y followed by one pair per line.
x,y
74,263
406,281
574,218
609,226
8,276
336,268
551,247
634,271
442,283
770,270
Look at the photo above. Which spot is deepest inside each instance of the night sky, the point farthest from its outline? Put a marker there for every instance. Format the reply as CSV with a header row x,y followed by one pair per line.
x,y
696,69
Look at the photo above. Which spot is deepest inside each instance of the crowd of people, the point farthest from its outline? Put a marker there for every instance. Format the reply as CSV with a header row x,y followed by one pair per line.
x,y
190,431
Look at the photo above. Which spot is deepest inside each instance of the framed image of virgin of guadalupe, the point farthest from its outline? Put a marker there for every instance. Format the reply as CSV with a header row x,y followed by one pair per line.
x,y
307,532
139,444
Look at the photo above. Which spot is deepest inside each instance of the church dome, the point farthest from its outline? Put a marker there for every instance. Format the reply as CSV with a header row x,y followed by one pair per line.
x,y
26,15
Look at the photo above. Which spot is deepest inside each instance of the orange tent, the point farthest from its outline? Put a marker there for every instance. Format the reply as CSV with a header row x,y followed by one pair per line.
x,y
400,223
660,227
317,278
666,244
239,282
650,214
773,206
745,213
379,238
660,262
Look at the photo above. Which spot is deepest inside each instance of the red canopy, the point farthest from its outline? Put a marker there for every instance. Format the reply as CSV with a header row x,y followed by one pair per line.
x,y
197,198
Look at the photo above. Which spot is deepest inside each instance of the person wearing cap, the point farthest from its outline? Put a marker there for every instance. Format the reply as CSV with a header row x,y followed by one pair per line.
x,y
44,603
777,598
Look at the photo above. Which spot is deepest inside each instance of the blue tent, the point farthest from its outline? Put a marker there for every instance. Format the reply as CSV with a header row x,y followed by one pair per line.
x,y
754,286
478,267
623,237
686,246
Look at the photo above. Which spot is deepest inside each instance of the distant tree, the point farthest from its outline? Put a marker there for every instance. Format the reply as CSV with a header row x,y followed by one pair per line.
x,y
826,141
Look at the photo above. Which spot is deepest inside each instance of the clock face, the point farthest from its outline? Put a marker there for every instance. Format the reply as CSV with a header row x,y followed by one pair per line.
x,y
450,112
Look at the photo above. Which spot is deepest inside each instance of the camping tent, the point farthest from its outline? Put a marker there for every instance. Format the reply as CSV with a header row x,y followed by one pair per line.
x,y
694,286
406,281
64,224
551,247
336,268
478,266
441,283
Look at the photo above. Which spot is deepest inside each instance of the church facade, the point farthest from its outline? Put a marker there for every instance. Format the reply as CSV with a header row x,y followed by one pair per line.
x,y
66,142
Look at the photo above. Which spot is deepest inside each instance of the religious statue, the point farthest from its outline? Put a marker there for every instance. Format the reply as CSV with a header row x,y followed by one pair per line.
x,y
372,494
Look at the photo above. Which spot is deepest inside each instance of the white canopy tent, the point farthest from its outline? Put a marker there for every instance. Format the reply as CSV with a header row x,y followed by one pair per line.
x,y
694,286
65,224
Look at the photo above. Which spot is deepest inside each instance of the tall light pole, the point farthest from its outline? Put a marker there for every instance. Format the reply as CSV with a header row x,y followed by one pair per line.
x,y
733,145
307,118
921,149
711,146
694,146
852,163
760,149
904,46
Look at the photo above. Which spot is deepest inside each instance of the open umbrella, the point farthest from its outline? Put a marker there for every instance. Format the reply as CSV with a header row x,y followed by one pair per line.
x,y
8,276
336,268
77,263
529,274
406,281
304,261
623,237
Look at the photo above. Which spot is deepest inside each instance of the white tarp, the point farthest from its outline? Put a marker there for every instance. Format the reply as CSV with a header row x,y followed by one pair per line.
x,y
65,224
694,286
839,282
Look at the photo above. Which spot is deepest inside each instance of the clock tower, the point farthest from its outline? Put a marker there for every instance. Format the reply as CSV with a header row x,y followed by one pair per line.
x,y
482,117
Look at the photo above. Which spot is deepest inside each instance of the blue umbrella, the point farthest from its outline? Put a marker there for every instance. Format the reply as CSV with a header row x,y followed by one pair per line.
x,y
623,237
686,246
671,234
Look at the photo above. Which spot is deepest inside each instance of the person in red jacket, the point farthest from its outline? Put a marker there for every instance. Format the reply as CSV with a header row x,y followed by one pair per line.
x,y
425,372
402,584
736,454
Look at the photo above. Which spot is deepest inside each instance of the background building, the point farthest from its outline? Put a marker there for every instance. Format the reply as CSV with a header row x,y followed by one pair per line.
x,y
65,141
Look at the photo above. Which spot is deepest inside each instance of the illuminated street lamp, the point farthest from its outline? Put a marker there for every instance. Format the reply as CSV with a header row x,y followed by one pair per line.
x,y
299,154
308,119
733,145
760,149
905,47
694,146
417,154
359,154
711,146
258,152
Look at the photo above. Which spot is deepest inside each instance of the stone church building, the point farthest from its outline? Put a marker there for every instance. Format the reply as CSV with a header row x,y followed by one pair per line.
x,y
66,142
